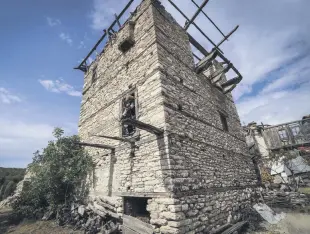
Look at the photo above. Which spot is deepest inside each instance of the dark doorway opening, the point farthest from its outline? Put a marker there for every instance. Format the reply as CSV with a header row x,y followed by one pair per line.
x,y
136,207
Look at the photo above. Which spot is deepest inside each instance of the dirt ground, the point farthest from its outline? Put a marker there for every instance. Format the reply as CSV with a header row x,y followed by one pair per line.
x,y
9,225
294,223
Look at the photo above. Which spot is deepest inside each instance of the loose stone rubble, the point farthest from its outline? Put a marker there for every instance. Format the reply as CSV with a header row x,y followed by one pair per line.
x,y
289,200
86,218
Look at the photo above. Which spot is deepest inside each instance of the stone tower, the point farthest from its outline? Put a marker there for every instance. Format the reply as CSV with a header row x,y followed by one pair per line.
x,y
168,144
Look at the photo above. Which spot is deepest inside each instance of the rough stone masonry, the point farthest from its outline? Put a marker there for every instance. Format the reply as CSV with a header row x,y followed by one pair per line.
x,y
197,175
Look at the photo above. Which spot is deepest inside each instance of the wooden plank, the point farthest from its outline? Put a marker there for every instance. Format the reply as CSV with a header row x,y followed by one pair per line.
x,y
206,61
195,43
235,227
137,225
143,126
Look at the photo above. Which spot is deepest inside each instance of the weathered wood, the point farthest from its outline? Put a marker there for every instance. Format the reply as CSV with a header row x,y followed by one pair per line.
x,y
195,43
226,37
221,228
101,146
104,35
196,14
117,20
137,225
209,19
219,72
143,126
235,227
235,80
206,61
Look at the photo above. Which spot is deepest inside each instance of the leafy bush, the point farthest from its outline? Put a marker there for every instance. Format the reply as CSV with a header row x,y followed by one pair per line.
x,y
59,176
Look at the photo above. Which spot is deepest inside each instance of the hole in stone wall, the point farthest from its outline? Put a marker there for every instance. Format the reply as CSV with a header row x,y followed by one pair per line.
x,y
180,108
129,112
224,122
126,45
136,207
181,80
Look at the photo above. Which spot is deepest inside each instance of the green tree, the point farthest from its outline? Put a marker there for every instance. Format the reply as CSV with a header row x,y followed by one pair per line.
x,y
58,175
9,189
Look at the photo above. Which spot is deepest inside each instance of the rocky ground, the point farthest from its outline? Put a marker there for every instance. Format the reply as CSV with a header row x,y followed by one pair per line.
x,y
294,223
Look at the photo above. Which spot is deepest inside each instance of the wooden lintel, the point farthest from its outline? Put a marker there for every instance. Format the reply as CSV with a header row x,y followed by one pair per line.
x,y
143,126
101,146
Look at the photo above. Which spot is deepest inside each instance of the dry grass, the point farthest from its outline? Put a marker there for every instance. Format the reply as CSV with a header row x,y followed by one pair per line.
x,y
40,227
304,190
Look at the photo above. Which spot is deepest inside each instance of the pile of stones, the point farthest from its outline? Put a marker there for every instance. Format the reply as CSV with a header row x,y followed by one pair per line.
x,y
282,199
83,217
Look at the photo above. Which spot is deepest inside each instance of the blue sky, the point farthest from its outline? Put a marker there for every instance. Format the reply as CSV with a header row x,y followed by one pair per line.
x,y
41,42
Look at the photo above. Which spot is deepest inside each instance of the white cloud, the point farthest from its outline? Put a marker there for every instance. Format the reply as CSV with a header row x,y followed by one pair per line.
x,y
7,98
66,37
53,22
82,45
266,49
276,107
59,86
296,74
20,138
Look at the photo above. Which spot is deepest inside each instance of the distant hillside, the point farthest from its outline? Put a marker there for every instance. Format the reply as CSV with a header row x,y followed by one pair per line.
x,y
9,177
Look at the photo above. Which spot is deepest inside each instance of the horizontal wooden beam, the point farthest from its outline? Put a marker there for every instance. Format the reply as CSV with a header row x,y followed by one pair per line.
x,y
101,146
199,47
116,21
143,126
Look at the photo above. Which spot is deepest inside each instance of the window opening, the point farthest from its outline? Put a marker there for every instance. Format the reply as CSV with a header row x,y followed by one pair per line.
x,y
282,134
129,112
295,130
224,122
136,207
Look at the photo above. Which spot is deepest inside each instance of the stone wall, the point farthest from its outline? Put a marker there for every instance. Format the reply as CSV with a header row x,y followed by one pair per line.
x,y
106,83
199,213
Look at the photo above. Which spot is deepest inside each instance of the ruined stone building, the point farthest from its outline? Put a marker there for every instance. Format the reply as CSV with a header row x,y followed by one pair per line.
x,y
164,130
284,149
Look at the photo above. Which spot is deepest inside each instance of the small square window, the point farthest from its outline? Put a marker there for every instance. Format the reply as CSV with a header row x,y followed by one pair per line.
x,y
224,122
